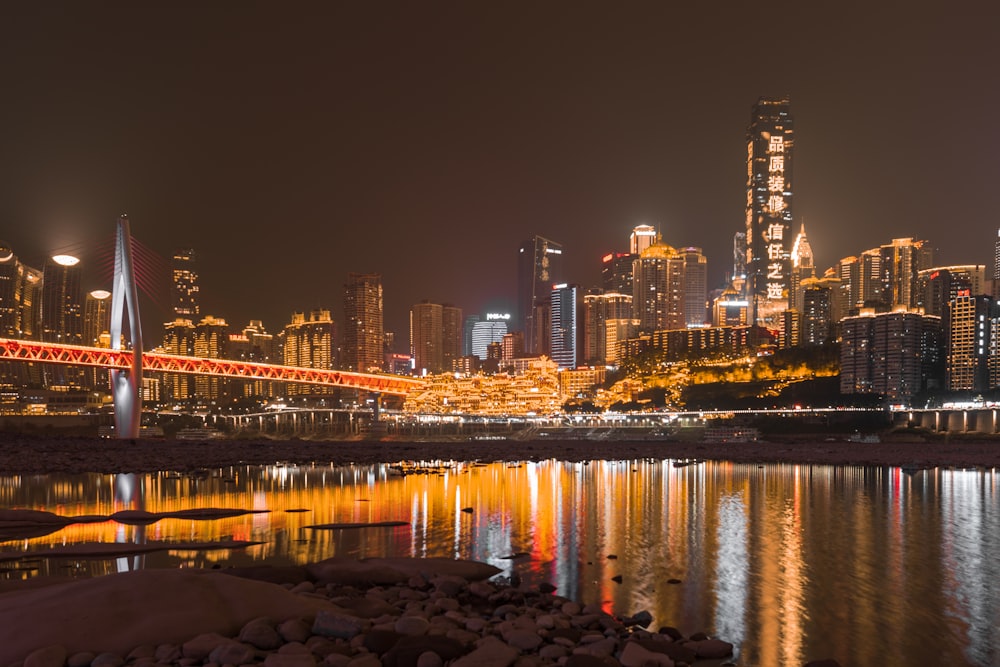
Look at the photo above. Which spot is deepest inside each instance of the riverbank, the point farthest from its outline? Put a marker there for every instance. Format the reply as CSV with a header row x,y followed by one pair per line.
x,y
21,454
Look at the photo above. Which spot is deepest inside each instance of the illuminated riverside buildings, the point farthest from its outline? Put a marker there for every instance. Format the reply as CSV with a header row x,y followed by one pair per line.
x,y
178,338
435,337
539,267
770,152
939,285
971,323
489,330
309,343
564,326
97,318
363,328
256,345
184,292
607,319
62,301
20,287
210,338
695,286
894,354
642,237
658,297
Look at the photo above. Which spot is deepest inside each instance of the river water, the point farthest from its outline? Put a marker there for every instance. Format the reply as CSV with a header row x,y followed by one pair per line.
x,y
870,566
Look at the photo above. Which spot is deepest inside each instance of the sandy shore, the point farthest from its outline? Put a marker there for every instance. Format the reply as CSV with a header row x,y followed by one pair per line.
x,y
38,455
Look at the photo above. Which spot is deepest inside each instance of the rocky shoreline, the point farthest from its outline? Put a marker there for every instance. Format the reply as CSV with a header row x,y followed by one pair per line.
x,y
40,455
336,613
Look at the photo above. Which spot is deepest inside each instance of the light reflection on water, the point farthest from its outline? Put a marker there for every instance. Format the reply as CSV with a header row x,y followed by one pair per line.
x,y
790,563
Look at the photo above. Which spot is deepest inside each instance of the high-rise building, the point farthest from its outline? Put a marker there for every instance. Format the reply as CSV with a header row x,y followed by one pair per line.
x,y
564,325
895,354
970,323
901,262
658,297
254,344
178,338
616,272
770,143
996,267
210,337
451,337
97,318
817,320
539,267
731,308
185,284
309,343
427,337
740,260
603,313
363,328
802,269
939,285
695,287
490,330
19,296
642,237
62,301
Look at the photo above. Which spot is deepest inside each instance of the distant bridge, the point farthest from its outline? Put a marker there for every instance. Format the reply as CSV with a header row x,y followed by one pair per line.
x,y
78,355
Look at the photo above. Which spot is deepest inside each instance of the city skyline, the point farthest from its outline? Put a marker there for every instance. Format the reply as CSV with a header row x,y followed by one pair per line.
x,y
427,146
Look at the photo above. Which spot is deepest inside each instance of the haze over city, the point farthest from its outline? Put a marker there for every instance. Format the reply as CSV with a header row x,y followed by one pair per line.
x,y
292,145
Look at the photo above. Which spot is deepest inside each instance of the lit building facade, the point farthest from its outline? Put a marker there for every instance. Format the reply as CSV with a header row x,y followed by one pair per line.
x,y
184,293
62,301
492,329
695,287
937,286
427,338
539,267
363,323
603,315
658,297
616,272
970,323
770,152
210,337
178,338
20,292
309,343
97,319
565,351
642,237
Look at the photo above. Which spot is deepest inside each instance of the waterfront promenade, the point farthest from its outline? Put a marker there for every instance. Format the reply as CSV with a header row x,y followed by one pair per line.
x,y
21,454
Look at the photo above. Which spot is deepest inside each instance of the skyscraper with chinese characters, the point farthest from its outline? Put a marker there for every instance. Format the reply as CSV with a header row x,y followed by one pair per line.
x,y
363,328
184,294
770,144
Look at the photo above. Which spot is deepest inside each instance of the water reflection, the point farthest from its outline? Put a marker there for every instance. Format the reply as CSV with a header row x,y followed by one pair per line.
x,y
790,563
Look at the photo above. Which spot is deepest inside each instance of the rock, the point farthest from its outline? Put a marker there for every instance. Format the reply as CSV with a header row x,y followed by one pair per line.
x,y
295,630
583,660
201,646
294,648
336,660
552,652
482,589
293,660
491,652
642,619
261,633
671,632
233,653
167,653
367,660
381,642
601,648
81,659
523,640
141,651
412,625
698,636
304,587
712,648
450,585
634,655
108,660
676,651
571,608
825,662
50,656
332,624
429,659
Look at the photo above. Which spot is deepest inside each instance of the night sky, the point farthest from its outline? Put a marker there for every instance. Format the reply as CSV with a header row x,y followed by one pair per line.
x,y
290,144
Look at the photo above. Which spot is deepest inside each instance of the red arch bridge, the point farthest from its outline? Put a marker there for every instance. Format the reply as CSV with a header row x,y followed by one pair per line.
x,y
78,355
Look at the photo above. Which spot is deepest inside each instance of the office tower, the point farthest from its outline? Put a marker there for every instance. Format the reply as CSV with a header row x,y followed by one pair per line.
x,y
739,260
603,313
254,344
616,272
895,354
178,338
97,319
363,329
62,301
10,289
427,337
185,284
939,285
802,269
451,338
970,323
658,298
695,287
996,266
642,237
731,308
901,262
817,321
210,337
539,267
309,343
564,325
871,286
467,327
512,346
490,330
770,144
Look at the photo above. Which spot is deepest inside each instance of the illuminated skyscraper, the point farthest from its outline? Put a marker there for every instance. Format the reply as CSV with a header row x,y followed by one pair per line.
x,y
309,343
939,285
178,338
996,266
19,295
254,344
803,268
539,267
210,337
364,337
695,287
770,143
62,301
642,237
488,331
658,299
426,337
970,323
564,326
185,284
605,316
97,318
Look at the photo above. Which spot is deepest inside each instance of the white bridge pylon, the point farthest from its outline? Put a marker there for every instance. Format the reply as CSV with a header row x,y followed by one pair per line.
x,y
126,384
